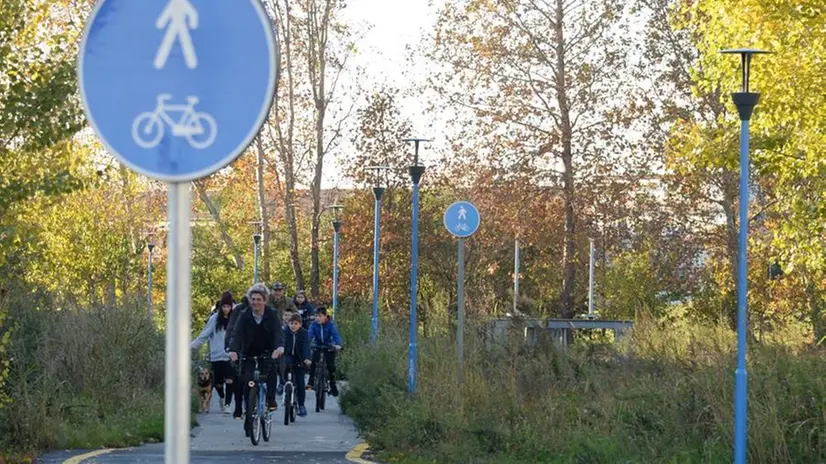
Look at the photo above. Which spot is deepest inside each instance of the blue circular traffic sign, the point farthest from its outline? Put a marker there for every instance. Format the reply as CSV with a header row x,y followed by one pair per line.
x,y
177,89
462,219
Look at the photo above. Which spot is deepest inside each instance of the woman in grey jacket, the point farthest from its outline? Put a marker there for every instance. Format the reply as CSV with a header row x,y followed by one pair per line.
x,y
215,332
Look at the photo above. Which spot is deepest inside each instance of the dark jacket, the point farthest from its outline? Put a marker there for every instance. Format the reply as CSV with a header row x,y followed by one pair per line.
x,y
324,334
297,345
233,318
281,304
250,338
307,312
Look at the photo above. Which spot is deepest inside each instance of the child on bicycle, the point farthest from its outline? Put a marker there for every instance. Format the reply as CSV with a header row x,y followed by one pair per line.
x,y
297,356
285,327
323,333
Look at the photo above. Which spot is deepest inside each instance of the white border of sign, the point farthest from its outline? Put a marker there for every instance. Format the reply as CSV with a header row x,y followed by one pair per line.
x,y
272,45
444,218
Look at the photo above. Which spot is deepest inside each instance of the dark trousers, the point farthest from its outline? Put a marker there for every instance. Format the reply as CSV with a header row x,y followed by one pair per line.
x,y
224,374
331,365
298,380
267,367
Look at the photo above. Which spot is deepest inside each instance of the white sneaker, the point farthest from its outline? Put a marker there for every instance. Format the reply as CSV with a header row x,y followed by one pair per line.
x,y
227,409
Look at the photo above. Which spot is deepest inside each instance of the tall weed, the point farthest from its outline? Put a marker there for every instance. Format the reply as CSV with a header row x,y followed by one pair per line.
x,y
665,395
80,379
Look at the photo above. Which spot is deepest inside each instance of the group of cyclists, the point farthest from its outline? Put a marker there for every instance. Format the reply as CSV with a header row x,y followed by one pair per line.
x,y
290,332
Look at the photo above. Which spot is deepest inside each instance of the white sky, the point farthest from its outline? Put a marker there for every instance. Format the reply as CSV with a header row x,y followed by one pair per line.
x,y
388,29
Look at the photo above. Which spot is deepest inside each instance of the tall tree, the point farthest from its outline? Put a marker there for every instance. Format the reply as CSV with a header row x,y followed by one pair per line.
x,y
789,123
325,64
536,77
287,131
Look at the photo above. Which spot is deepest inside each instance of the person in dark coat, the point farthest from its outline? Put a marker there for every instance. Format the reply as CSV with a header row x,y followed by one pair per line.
x,y
258,332
304,308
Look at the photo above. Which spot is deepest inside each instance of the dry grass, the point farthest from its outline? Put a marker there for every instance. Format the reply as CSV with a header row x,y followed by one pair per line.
x,y
665,396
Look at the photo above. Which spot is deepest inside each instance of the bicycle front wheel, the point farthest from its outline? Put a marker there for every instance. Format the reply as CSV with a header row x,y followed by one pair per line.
x,y
288,403
253,415
320,382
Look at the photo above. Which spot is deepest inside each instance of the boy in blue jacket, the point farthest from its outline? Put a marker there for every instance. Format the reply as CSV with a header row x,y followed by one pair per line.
x,y
323,333
297,356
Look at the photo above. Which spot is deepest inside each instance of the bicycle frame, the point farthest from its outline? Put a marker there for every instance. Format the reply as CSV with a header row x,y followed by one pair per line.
x,y
188,111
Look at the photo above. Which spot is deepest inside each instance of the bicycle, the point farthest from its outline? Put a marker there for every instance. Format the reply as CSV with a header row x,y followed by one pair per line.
x,y
258,424
148,127
320,384
290,397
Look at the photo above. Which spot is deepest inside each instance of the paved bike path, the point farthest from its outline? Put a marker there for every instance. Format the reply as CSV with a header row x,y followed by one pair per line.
x,y
324,437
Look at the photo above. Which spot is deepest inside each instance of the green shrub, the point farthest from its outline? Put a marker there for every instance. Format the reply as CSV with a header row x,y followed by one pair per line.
x,y
664,396
80,379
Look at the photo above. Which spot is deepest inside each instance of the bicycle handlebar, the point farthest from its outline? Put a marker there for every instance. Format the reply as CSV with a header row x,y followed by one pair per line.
x,y
324,348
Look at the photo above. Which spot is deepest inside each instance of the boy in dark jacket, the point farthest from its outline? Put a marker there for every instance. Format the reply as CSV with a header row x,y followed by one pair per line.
x,y
323,333
297,356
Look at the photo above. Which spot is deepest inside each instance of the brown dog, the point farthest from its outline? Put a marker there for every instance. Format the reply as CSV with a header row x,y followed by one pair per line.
x,y
204,388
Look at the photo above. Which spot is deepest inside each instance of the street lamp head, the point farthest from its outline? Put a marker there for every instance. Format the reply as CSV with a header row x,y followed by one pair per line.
x,y
379,179
256,237
151,246
745,60
336,210
416,142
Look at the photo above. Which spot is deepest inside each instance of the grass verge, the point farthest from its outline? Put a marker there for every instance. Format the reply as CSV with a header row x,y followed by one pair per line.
x,y
664,396
80,379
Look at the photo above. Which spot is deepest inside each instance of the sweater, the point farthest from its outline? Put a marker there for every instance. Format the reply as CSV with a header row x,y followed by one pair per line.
x,y
216,340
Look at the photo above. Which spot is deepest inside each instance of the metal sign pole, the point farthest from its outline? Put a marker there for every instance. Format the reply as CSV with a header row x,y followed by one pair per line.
x,y
149,286
515,275
460,329
591,282
178,326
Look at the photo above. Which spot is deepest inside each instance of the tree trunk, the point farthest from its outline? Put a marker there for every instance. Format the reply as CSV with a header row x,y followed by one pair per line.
x,y
284,141
317,62
814,301
263,214
316,192
569,255
216,216
292,227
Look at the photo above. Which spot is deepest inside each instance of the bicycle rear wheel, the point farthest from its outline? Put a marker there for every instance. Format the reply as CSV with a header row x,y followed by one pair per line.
x,y
253,415
288,403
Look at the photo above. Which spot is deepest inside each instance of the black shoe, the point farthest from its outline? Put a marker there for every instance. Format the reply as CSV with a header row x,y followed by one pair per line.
x,y
333,389
272,405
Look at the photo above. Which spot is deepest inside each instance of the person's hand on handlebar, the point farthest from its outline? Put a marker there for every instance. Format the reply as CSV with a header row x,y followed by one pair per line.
x,y
233,356
278,352
337,347
308,362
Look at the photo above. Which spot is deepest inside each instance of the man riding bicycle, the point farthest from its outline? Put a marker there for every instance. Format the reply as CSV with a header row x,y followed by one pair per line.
x,y
258,332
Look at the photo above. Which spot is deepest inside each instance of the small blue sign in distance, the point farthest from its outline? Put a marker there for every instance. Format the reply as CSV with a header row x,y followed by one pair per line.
x,y
462,219
177,89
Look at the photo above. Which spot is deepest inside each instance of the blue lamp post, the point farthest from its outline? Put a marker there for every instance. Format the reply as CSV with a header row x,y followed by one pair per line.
x,y
336,229
256,240
416,171
378,191
151,246
745,102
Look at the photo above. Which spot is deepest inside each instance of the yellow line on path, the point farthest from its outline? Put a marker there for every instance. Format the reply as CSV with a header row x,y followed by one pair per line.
x,y
81,457
355,454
